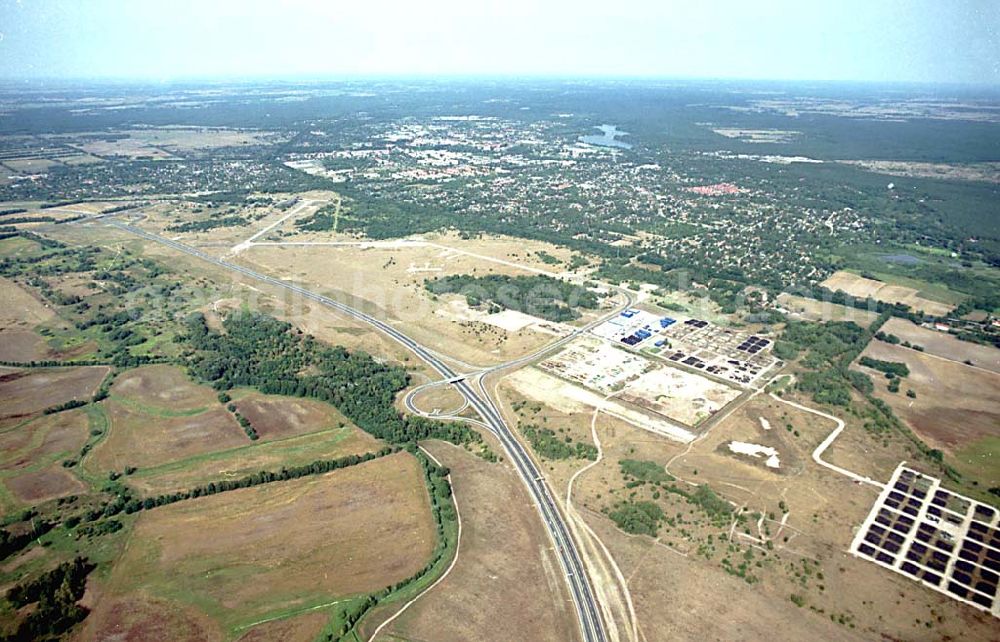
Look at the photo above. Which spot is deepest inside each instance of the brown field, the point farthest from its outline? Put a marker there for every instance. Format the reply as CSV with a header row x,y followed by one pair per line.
x,y
275,548
276,417
163,387
21,345
30,456
299,628
20,308
144,440
944,345
957,408
44,437
42,485
20,314
250,458
507,583
387,281
26,392
813,310
141,618
861,287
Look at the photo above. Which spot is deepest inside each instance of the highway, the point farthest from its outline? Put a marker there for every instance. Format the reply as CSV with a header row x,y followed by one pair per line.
x,y
592,627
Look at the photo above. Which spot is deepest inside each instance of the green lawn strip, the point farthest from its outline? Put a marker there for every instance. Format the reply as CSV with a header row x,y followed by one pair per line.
x,y
337,434
285,614
157,411
339,618
97,414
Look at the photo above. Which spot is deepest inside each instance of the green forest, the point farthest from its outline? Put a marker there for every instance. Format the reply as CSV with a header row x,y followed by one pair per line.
x,y
538,295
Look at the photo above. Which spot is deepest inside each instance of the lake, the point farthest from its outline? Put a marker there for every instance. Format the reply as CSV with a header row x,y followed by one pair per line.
x,y
608,138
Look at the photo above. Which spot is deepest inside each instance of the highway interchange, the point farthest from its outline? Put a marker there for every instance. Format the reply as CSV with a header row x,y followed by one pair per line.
x,y
592,626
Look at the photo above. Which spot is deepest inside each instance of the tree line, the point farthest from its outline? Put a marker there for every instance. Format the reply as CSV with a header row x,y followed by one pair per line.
x,y
538,295
260,351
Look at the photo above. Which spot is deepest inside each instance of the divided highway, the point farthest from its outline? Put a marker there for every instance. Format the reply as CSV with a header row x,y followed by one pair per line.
x,y
591,624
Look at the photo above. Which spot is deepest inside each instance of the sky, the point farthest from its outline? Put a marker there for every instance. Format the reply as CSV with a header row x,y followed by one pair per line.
x,y
843,40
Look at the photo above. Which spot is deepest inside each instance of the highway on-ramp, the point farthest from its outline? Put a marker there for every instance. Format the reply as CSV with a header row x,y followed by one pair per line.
x,y
591,624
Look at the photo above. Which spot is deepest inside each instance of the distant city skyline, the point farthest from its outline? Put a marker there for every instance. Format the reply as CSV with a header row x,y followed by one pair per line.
x,y
850,40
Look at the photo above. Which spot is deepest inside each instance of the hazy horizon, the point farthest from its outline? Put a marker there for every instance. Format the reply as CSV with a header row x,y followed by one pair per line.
x,y
895,42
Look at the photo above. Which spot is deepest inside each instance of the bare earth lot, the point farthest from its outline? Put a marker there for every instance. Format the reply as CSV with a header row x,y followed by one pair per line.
x,y
265,550
861,287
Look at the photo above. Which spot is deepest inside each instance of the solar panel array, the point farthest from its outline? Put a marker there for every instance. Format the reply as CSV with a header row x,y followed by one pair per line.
x,y
943,540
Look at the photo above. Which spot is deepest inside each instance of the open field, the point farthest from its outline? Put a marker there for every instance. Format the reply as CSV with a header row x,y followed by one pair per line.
x,y
987,172
273,549
956,409
944,345
860,287
21,312
328,442
21,309
813,310
388,282
31,165
25,392
507,583
144,439
298,628
30,454
275,417
163,142
34,487
163,388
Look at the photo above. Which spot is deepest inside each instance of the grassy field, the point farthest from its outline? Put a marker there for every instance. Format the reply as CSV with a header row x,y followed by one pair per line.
x,y
898,290
524,596
230,560
177,433
387,280
956,408
944,345
30,456
813,310
28,392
